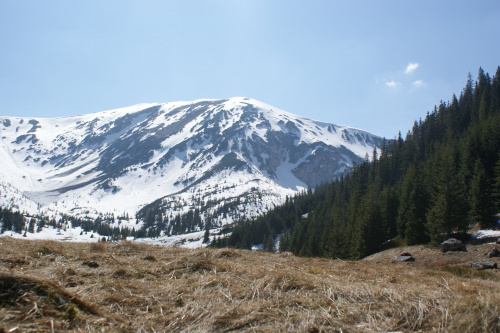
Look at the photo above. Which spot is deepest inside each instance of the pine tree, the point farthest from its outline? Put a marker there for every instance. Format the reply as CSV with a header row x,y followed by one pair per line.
x,y
414,201
448,213
7,220
18,222
481,200
496,185
269,245
31,227
284,243
495,91
206,236
368,232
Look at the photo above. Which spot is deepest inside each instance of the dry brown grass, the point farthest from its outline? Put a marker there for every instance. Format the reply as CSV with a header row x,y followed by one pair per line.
x,y
139,288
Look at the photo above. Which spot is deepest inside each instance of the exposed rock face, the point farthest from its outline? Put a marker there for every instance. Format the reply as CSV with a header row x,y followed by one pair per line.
x,y
480,265
452,244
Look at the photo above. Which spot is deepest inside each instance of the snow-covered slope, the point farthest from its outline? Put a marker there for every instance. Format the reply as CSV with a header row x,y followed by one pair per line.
x,y
184,156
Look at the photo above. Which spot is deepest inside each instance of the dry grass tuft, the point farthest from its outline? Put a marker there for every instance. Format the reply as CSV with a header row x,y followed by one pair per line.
x,y
98,247
478,313
47,248
150,257
142,288
468,272
228,253
30,300
129,247
121,273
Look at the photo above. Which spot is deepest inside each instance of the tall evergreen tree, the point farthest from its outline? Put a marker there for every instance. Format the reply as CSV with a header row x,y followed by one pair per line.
x,y
414,202
206,236
269,246
496,185
481,198
448,212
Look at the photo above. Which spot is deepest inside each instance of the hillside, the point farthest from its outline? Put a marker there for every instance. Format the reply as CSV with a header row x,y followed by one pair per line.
x,y
170,168
440,180
122,287
426,256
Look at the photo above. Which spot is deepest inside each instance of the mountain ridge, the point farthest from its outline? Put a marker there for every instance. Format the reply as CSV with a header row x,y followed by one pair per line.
x,y
122,160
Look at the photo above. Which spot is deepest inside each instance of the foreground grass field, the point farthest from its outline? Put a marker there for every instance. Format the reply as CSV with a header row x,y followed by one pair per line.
x,y
50,286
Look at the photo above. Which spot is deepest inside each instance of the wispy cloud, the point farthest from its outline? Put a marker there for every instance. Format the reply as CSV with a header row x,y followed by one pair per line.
x,y
418,83
412,66
392,83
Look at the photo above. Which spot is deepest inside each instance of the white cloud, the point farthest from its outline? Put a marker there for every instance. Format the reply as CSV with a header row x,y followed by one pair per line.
x,y
412,66
392,83
418,83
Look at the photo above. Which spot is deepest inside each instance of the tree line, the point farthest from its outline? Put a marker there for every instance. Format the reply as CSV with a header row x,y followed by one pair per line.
x,y
22,223
439,180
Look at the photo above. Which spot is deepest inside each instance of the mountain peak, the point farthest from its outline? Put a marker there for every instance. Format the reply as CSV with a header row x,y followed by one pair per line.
x,y
205,153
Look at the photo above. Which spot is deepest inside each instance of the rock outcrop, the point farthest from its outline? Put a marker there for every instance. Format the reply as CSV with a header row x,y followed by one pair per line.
x,y
405,257
480,265
452,244
494,252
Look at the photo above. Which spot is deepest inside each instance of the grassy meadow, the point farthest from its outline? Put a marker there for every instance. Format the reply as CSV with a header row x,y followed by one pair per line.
x,y
48,286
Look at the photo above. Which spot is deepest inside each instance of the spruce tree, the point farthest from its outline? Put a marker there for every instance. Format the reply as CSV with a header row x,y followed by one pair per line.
x,y
368,231
481,198
496,185
448,213
269,245
206,236
284,242
414,201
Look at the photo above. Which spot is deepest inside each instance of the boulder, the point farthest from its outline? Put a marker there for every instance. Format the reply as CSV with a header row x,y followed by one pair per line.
x,y
452,244
484,265
494,252
405,256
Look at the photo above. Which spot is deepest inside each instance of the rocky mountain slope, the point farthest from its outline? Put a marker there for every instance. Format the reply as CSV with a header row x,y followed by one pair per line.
x,y
217,159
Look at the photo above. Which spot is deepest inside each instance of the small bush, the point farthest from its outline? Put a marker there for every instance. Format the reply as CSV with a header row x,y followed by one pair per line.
x,y
72,312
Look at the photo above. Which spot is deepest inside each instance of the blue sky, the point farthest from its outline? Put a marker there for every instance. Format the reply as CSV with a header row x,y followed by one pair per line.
x,y
374,65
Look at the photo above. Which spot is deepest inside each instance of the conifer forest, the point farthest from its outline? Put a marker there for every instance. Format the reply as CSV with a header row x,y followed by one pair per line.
x,y
439,180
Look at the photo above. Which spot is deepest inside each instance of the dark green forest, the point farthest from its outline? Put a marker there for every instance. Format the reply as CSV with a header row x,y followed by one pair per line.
x,y
101,226
440,180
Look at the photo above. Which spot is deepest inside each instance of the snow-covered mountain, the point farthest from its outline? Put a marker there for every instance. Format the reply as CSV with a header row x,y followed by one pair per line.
x,y
205,159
